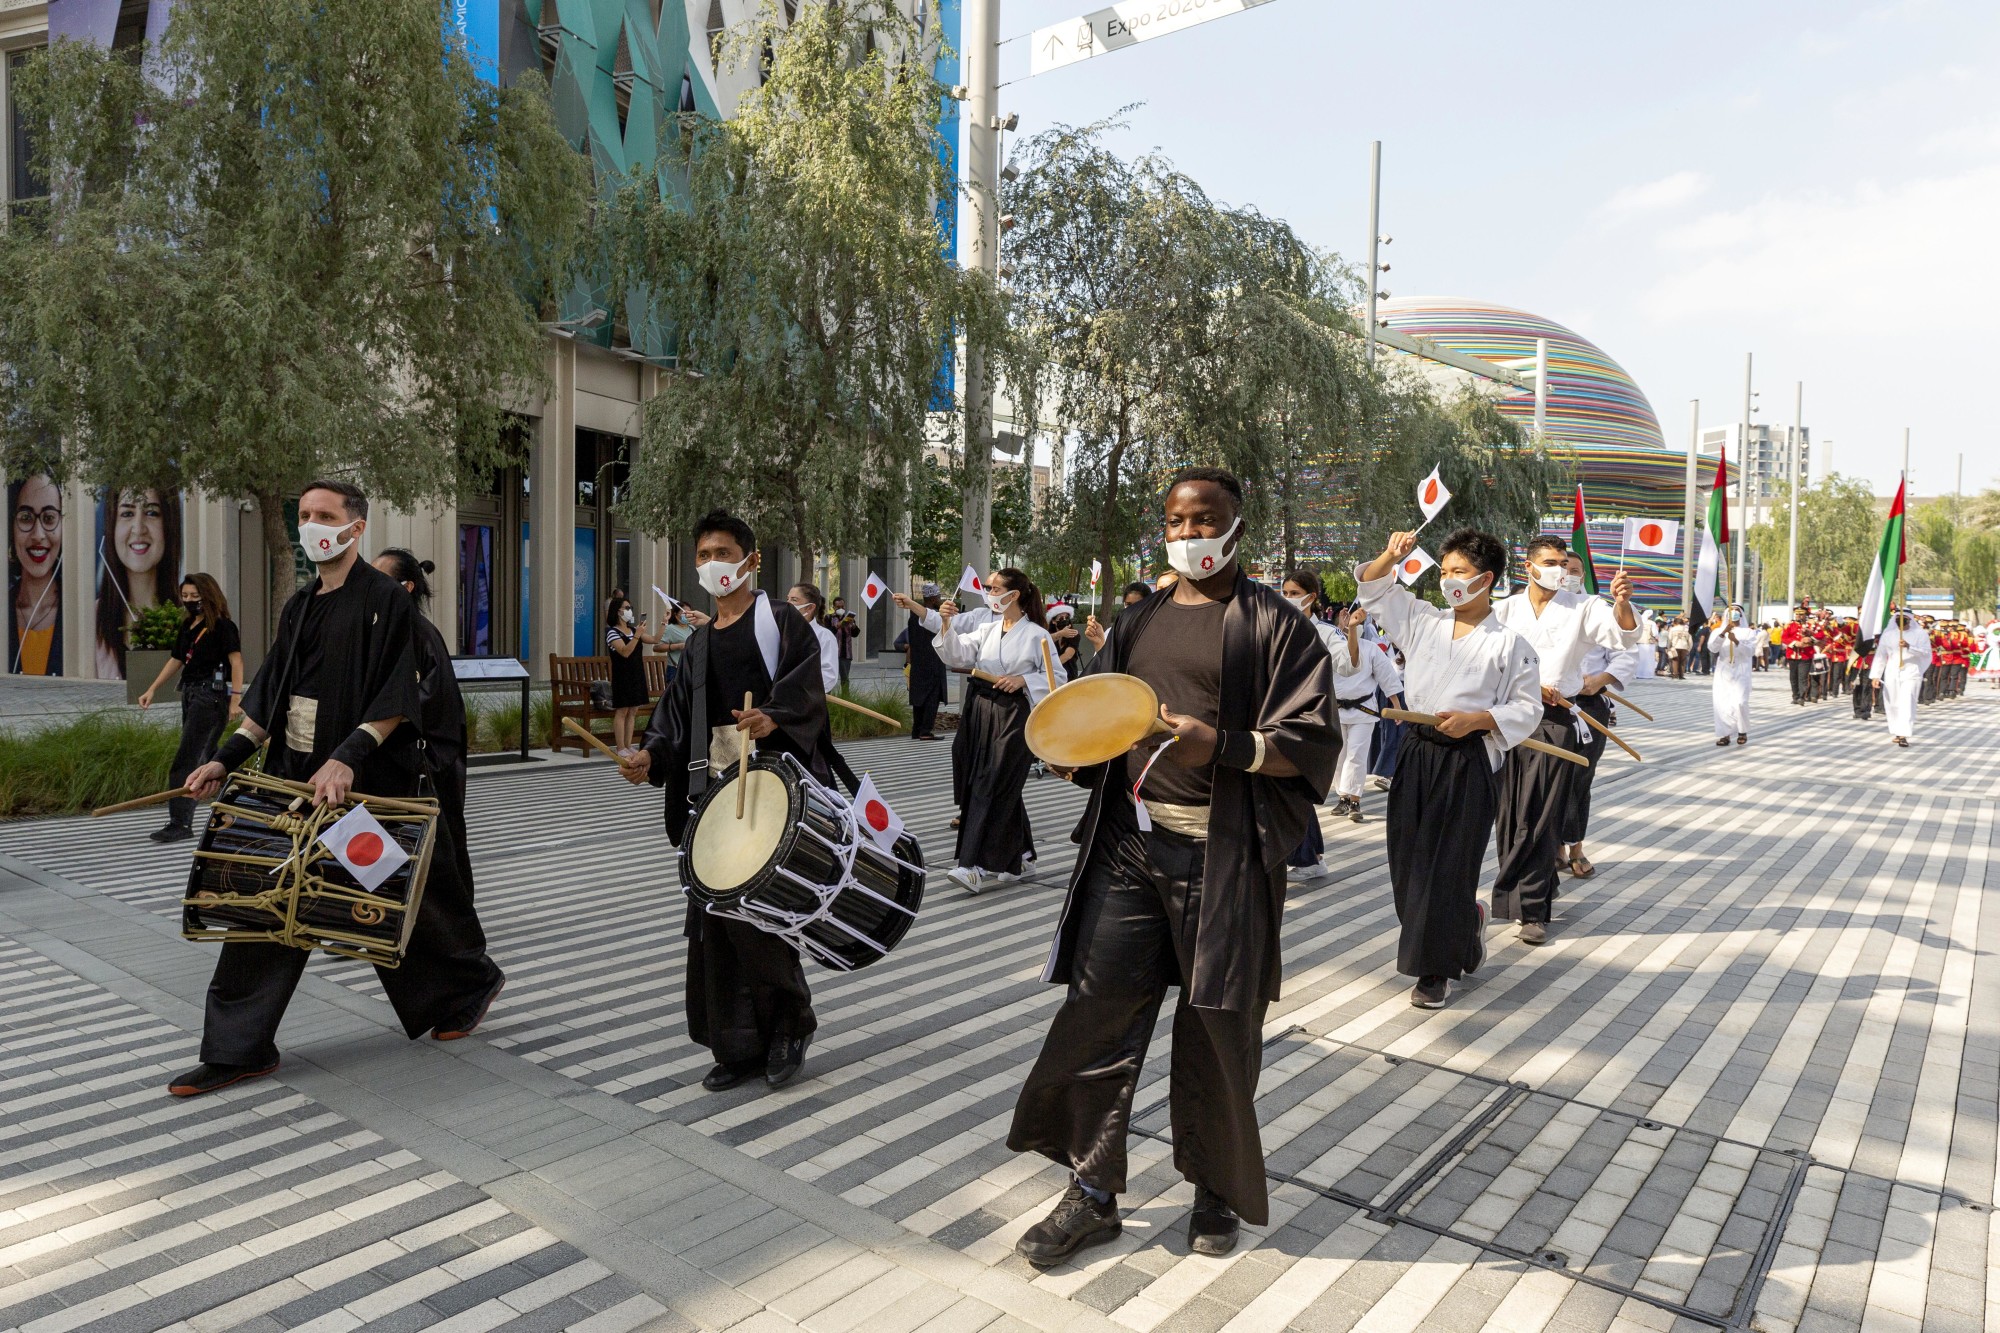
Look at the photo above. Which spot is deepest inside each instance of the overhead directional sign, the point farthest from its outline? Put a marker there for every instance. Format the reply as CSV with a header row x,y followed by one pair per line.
x,y
1126,24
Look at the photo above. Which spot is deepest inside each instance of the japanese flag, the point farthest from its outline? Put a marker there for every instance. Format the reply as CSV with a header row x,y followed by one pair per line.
x,y
1657,535
877,819
1096,573
970,581
662,594
361,844
1432,495
871,591
1413,565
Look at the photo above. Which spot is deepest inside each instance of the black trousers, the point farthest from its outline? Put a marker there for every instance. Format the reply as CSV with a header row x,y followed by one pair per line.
x,y
1140,901
746,989
1801,671
1534,794
923,717
989,767
1441,811
444,971
1576,811
204,710
1927,692
1864,696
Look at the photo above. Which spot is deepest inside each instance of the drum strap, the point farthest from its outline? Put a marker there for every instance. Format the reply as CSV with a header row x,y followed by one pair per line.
x,y
697,722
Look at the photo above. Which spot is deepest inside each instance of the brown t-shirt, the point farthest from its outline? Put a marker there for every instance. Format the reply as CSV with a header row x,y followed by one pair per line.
x,y
1179,654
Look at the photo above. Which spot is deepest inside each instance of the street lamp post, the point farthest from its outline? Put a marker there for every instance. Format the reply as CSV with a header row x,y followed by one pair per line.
x,y
1798,437
1743,474
1374,237
982,180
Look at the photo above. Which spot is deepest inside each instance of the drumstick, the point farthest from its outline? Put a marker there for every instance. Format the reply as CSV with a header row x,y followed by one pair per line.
x,y
1612,734
1048,667
584,734
743,766
1432,720
1618,698
853,707
976,673
157,798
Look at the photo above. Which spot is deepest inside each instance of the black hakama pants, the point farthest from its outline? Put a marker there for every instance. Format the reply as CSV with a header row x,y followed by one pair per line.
x,y
926,693
746,989
444,971
1576,811
1534,794
1864,695
989,767
1441,811
1140,905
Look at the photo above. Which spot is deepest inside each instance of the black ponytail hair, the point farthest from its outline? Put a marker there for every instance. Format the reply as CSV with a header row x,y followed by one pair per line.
x,y
406,568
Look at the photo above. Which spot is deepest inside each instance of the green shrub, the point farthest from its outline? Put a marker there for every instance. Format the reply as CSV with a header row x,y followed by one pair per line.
x,y
541,712
79,764
849,725
158,626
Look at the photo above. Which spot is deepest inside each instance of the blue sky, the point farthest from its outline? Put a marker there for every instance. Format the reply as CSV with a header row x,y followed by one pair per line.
x,y
1815,183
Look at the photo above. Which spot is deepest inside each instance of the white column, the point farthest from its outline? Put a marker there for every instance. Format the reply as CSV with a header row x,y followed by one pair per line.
x,y
552,516
1687,513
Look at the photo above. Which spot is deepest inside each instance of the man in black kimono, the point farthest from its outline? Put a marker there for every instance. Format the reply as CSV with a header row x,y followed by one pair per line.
x,y
747,998
337,701
1186,889
927,671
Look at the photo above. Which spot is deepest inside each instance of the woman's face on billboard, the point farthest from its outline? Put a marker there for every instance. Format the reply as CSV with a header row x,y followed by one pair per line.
x,y
139,532
37,527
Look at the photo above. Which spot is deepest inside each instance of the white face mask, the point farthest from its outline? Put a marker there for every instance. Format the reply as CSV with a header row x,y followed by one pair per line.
x,y
1460,591
1200,557
626,615
1548,576
1304,604
803,608
719,578
996,602
1572,583
322,543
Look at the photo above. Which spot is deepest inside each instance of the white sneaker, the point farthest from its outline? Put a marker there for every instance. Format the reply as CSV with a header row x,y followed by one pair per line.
x,y
1317,870
999,876
966,877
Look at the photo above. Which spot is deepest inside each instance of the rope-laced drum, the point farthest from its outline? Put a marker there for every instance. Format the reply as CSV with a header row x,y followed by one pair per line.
x,y
261,874
799,864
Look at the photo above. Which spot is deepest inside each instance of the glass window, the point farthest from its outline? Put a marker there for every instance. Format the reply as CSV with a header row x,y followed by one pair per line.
x,y
22,180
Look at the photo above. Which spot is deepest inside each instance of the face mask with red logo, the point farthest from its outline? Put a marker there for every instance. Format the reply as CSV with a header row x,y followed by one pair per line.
x,y
1200,557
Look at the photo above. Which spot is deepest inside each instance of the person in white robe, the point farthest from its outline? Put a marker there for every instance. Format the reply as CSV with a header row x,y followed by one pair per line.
x,y
1736,644
1902,656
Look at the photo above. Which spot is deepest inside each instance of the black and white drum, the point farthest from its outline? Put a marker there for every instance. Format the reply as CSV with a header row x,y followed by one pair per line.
x,y
798,864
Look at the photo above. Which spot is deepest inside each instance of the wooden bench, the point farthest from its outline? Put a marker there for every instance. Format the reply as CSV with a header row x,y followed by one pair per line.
x,y
569,692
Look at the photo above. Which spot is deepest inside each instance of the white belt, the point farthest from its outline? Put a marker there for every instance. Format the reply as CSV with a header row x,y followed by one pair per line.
x,y
1190,821
300,721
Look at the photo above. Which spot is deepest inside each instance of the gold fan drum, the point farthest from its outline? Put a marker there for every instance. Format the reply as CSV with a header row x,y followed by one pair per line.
x,y
1093,720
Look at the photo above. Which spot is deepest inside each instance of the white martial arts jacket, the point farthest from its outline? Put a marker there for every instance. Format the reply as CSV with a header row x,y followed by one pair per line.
x,y
975,639
1565,630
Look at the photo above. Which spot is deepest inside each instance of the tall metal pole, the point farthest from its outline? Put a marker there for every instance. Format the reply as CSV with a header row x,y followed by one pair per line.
x,y
1798,435
982,181
1906,455
1541,388
1687,509
1743,487
1374,237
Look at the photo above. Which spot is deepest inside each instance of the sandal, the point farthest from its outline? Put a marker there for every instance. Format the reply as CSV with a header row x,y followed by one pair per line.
x,y
1741,739
1581,867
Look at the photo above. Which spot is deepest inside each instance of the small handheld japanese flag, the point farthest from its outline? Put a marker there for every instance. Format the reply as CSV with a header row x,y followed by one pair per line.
x,y
661,593
877,819
1432,495
362,845
871,591
1413,565
1657,535
970,581
1096,573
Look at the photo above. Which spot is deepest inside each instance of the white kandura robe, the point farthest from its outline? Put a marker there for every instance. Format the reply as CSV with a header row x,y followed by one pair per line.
x,y
1735,649
1901,658
1356,677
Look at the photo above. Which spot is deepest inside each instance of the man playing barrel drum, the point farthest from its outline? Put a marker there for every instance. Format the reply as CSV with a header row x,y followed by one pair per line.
x,y
332,700
747,998
1182,883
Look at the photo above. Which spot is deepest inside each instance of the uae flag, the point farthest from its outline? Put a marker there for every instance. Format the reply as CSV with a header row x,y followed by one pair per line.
x,y
1579,543
1709,564
1882,579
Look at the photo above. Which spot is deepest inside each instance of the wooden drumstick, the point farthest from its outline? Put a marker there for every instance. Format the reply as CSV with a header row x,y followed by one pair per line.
x,y
1048,667
1432,720
743,765
1618,698
157,798
853,707
588,737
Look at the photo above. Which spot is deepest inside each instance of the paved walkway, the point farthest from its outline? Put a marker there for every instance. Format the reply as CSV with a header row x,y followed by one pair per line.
x,y
1751,1082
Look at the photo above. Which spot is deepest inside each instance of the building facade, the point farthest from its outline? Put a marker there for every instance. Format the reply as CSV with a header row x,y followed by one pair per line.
x,y
1765,462
524,564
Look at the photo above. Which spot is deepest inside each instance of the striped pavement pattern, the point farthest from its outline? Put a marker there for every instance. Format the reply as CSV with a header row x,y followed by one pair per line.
x,y
1779,958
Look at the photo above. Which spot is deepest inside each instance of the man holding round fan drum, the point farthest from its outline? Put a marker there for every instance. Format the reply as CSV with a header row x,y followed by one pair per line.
x,y
331,700
1182,883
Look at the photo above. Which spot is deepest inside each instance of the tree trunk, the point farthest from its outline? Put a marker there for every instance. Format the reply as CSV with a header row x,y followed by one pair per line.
x,y
280,569
1104,527
801,539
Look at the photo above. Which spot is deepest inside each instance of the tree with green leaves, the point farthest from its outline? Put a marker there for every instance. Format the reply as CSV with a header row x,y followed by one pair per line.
x,y
1838,533
802,268
301,239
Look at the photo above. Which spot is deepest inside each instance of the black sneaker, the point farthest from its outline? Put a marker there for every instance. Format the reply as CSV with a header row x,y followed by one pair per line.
x,y
788,1056
724,1077
1478,939
463,1023
1354,812
1430,992
1077,1220
205,1078
1213,1225
171,833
